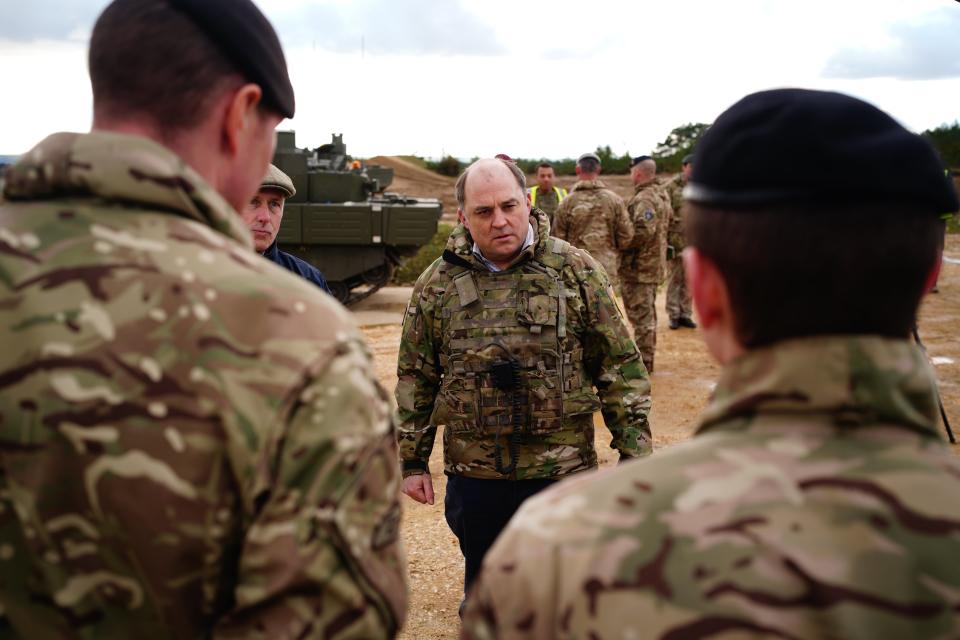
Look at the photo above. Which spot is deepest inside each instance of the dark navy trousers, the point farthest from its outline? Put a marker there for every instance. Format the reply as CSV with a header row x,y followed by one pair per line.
x,y
478,510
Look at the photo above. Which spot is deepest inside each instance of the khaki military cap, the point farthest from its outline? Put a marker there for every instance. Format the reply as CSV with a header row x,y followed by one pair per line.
x,y
276,179
589,155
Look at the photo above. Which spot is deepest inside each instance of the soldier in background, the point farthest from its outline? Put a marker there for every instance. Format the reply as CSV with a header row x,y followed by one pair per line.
x,y
817,498
545,195
512,341
594,218
641,265
679,307
263,216
192,440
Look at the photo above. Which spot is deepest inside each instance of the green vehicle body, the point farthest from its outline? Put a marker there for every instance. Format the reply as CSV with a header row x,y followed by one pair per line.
x,y
343,220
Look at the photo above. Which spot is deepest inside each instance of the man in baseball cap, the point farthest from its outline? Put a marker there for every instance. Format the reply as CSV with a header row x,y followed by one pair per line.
x,y
817,498
263,216
594,218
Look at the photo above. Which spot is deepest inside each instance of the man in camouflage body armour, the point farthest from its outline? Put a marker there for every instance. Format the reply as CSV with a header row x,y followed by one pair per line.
x,y
192,441
594,218
641,266
544,311
817,499
679,307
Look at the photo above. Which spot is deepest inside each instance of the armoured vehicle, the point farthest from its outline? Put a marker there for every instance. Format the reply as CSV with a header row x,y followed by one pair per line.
x,y
344,221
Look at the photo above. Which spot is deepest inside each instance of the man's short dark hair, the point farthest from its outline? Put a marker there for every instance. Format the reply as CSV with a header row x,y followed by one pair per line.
x,y
149,60
805,270
544,165
588,165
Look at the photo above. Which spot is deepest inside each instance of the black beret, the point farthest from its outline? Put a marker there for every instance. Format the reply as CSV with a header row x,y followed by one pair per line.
x,y
687,159
795,145
247,38
637,160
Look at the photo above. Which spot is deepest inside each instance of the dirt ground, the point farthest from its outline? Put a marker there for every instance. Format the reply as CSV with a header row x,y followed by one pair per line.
x,y
681,386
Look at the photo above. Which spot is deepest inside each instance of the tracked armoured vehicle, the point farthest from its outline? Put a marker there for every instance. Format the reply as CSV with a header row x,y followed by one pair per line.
x,y
344,221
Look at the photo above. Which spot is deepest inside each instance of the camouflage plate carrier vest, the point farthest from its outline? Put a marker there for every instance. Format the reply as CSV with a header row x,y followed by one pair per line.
x,y
508,362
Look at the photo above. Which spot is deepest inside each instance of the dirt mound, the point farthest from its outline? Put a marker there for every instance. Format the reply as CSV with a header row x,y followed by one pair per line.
x,y
410,179
411,171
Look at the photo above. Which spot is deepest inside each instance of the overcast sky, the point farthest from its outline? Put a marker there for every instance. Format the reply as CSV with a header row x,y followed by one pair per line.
x,y
528,78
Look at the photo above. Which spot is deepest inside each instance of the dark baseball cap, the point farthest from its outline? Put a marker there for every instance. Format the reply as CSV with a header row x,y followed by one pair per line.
x,y
796,145
247,39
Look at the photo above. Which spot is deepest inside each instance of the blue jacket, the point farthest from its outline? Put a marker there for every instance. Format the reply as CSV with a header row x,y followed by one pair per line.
x,y
300,267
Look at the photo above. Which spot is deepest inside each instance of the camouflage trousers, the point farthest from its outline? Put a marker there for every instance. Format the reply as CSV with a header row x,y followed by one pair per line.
x,y
640,299
678,298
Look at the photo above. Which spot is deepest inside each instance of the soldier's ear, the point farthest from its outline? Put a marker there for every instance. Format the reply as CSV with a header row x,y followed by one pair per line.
x,y
462,218
934,274
704,284
242,117
711,299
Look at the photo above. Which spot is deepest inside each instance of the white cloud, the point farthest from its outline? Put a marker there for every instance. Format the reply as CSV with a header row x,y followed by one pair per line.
x,y
923,49
385,27
49,20
532,78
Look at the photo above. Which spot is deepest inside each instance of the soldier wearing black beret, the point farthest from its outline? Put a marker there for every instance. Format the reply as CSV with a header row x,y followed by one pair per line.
x,y
193,443
817,498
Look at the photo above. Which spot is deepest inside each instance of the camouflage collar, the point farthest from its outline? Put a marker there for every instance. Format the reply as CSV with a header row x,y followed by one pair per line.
x,y
637,188
121,168
587,185
460,244
856,380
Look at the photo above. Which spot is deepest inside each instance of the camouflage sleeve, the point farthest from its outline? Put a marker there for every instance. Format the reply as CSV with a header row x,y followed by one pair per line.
x,y
418,374
515,595
642,214
322,557
613,361
560,220
623,225
676,235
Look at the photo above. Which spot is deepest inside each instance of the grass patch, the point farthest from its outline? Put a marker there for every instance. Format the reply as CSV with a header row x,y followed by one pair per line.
x,y
953,224
412,267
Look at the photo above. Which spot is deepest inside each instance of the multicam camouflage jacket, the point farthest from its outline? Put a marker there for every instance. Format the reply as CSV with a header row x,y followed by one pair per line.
x,y
594,218
676,234
515,364
816,501
192,443
650,212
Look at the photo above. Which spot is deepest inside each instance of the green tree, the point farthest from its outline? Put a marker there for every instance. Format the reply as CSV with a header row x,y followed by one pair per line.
x,y
446,166
612,163
681,141
946,139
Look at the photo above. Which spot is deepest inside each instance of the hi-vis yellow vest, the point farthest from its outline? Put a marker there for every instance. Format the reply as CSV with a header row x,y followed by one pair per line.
x,y
561,194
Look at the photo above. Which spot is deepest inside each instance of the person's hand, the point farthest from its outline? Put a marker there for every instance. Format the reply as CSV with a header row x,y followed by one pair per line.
x,y
419,487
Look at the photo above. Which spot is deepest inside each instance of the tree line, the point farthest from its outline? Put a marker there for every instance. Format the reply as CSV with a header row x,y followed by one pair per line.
x,y
681,141
668,155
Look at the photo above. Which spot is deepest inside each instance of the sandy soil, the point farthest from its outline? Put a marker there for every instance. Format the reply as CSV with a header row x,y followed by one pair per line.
x,y
681,386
